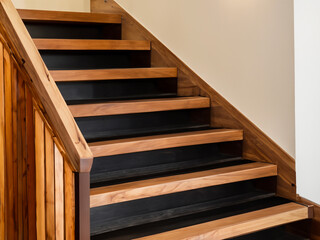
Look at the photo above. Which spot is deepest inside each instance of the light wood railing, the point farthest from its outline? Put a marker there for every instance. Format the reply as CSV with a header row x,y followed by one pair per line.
x,y
44,158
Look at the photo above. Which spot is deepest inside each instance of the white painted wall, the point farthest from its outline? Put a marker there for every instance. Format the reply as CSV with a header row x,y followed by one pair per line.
x,y
242,48
58,5
307,67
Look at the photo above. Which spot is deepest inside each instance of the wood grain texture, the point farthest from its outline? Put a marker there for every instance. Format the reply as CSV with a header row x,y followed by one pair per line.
x,y
257,145
31,176
42,84
138,106
69,206
57,16
40,177
178,183
139,144
79,44
238,225
113,74
59,193
50,186
3,189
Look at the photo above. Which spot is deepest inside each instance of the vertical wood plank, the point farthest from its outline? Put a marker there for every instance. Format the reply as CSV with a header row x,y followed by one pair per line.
x,y
69,193
9,143
2,151
31,179
40,177
14,174
22,180
59,194
50,186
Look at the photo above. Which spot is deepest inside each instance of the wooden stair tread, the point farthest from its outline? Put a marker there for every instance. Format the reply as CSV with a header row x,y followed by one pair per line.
x,y
59,16
140,144
238,225
112,74
138,106
80,44
178,183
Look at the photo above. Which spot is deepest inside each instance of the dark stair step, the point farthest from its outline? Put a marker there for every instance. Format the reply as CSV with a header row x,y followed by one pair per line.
x,y
278,233
273,210
141,164
104,128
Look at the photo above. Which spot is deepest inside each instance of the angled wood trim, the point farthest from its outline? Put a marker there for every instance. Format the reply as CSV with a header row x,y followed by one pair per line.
x,y
139,144
238,225
55,108
178,183
257,145
57,16
113,74
80,44
138,106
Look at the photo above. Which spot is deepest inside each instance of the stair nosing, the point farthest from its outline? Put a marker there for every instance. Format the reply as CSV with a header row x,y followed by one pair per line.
x,y
113,74
138,106
155,142
91,44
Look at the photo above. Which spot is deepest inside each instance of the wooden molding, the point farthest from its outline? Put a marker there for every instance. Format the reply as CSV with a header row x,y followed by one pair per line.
x,y
257,145
57,16
140,144
178,183
55,108
113,74
238,225
79,44
138,106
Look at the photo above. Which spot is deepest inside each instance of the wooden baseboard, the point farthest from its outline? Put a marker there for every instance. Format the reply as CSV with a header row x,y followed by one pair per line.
x,y
257,145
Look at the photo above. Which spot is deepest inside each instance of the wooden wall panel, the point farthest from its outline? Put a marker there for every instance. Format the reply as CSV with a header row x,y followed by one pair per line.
x,y
37,182
50,185
40,177
59,194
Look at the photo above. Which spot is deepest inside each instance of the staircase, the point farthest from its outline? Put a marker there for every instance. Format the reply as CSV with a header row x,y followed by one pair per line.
x,y
160,170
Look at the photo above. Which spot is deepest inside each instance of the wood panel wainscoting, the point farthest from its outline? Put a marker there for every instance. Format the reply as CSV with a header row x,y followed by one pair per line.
x,y
256,145
43,155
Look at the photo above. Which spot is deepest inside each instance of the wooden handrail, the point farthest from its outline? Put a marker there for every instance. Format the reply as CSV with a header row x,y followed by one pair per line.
x,y
54,106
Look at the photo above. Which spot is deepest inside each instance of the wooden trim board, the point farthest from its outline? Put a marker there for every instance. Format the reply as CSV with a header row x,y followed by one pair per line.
x,y
179,183
79,44
238,225
138,106
140,144
256,145
57,16
112,74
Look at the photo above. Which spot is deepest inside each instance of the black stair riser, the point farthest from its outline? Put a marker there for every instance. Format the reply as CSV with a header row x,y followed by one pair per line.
x,y
77,60
110,90
131,165
116,216
192,219
279,233
134,125
73,30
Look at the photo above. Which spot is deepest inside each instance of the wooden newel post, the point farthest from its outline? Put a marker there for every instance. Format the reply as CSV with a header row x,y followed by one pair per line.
x,y
82,181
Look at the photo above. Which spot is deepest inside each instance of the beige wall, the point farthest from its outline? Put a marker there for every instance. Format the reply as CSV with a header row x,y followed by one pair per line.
x,y
61,5
244,49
